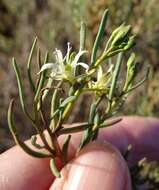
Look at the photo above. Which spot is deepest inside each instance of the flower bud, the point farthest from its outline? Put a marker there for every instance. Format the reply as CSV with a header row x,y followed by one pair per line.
x,y
130,43
122,35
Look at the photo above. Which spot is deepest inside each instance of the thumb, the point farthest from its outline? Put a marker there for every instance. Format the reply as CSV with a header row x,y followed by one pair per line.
x,y
97,166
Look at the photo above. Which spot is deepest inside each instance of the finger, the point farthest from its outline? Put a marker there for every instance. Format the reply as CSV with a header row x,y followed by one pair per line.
x,y
97,166
142,133
19,171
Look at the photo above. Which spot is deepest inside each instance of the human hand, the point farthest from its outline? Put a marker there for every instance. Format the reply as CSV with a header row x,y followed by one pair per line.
x,y
98,166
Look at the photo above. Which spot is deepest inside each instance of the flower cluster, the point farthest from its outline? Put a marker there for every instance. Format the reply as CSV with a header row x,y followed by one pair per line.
x,y
64,68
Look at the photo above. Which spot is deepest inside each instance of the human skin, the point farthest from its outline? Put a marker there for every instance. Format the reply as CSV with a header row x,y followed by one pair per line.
x,y
98,166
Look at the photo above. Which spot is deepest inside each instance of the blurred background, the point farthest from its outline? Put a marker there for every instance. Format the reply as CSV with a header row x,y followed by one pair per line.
x,y
57,22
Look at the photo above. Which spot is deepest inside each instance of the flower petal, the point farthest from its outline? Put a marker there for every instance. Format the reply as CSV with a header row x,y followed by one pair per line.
x,y
79,54
59,56
46,66
84,65
68,52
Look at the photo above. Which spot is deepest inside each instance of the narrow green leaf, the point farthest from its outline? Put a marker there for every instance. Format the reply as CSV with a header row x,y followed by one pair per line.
x,y
86,137
55,114
92,113
93,109
47,88
95,128
65,148
131,72
77,128
55,101
54,105
54,169
71,91
96,122
34,142
82,36
67,101
39,58
99,36
29,69
20,88
115,76
41,81
13,131
94,135
110,122
114,81
139,83
65,145
39,66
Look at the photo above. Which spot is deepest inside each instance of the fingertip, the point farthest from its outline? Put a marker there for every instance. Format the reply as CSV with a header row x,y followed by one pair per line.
x,y
97,166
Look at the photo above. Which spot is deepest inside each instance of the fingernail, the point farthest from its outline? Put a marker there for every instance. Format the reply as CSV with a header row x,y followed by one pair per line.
x,y
98,166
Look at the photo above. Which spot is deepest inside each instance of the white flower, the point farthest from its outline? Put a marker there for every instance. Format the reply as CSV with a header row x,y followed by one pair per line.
x,y
65,67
